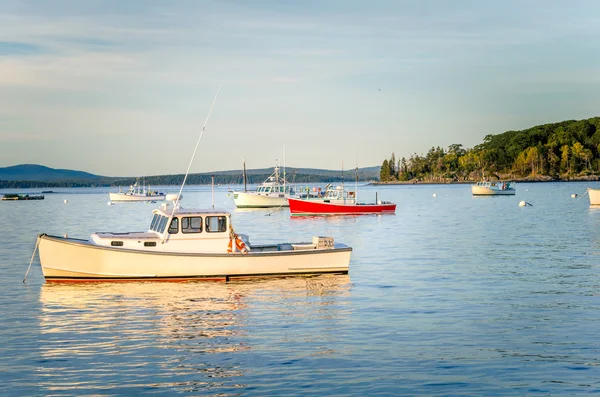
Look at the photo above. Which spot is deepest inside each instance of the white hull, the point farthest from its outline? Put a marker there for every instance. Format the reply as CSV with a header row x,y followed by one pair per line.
x,y
594,196
260,200
65,259
486,191
135,197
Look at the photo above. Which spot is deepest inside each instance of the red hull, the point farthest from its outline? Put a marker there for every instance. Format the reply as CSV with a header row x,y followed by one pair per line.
x,y
308,207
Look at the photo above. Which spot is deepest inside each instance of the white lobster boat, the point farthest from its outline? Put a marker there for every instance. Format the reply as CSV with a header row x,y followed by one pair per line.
x,y
273,192
137,193
594,196
185,244
197,244
498,188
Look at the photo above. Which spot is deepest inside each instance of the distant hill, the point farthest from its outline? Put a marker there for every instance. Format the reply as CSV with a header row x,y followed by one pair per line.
x,y
31,175
35,172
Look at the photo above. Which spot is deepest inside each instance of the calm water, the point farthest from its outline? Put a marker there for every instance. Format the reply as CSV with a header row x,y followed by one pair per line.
x,y
452,296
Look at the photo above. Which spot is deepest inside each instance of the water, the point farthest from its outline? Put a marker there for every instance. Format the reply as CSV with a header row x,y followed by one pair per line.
x,y
452,296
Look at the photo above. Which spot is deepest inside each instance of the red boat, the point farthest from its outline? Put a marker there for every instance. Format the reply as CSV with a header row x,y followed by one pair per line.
x,y
313,207
338,202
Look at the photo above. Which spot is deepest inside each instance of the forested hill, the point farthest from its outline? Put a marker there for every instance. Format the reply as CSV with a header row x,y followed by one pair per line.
x,y
558,151
33,176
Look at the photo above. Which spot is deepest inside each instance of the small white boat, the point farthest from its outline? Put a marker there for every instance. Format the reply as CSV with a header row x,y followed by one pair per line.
x,y
498,188
137,193
273,192
594,196
184,244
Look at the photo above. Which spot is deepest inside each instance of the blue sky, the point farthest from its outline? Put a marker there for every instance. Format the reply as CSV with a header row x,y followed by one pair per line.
x,y
122,88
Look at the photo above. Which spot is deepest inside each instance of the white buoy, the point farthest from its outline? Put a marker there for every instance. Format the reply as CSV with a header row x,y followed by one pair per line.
x,y
434,195
66,235
66,201
574,195
110,203
522,204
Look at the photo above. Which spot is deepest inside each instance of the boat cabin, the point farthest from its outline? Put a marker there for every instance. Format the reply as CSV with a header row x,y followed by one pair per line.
x,y
339,194
188,230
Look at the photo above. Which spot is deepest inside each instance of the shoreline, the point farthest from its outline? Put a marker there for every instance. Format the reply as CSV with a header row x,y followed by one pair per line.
x,y
590,178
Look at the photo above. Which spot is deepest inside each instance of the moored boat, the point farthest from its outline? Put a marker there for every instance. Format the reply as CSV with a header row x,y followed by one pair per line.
x,y
338,201
273,192
498,188
184,244
594,196
136,192
22,196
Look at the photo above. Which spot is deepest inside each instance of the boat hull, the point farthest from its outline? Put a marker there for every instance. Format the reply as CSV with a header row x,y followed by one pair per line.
x,y
73,260
594,196
135,197
254,200
486,191
309,207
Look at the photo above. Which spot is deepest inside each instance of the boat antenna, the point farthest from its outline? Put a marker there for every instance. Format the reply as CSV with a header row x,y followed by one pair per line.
x,y
356,187
343,190
196,149
176,203
283,168
244,175
213,190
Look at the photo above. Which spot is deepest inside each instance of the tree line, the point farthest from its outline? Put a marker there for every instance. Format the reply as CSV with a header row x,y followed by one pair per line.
x,y
558,151
193,179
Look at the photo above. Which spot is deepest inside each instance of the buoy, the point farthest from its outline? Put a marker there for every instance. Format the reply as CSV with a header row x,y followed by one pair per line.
x,y
66,235
574,195
434,195
524,204
66,201
110,203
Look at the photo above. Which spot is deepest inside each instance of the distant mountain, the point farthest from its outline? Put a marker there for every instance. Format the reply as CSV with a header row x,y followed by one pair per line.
x,y
40,173
32,175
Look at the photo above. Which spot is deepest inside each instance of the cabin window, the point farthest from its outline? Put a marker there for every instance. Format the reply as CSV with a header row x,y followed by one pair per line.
x,y
216,224
162,224
116,243
149,243
154,222
174,227
191,224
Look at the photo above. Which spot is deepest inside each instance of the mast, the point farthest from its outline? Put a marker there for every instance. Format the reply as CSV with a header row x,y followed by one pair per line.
x,y
356,188
244,175
176,203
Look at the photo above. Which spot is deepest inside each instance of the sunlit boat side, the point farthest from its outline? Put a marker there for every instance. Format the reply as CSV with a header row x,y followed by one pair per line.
x,y
498,188
198,244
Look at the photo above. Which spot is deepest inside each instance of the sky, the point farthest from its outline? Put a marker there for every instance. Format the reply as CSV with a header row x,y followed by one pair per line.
x,y
124,88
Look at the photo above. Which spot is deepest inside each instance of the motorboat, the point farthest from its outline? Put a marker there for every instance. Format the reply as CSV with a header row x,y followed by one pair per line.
x,y
338,201
594,196
22,196
273,192
137,192
497,188
185,244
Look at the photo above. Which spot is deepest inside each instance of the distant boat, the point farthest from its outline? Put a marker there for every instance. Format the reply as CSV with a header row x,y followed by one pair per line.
x,y
337,201
137,193
498,188
273,192
594,196
22,196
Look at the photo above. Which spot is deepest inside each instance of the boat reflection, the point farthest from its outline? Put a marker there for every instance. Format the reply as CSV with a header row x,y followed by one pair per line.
x,y
169,335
